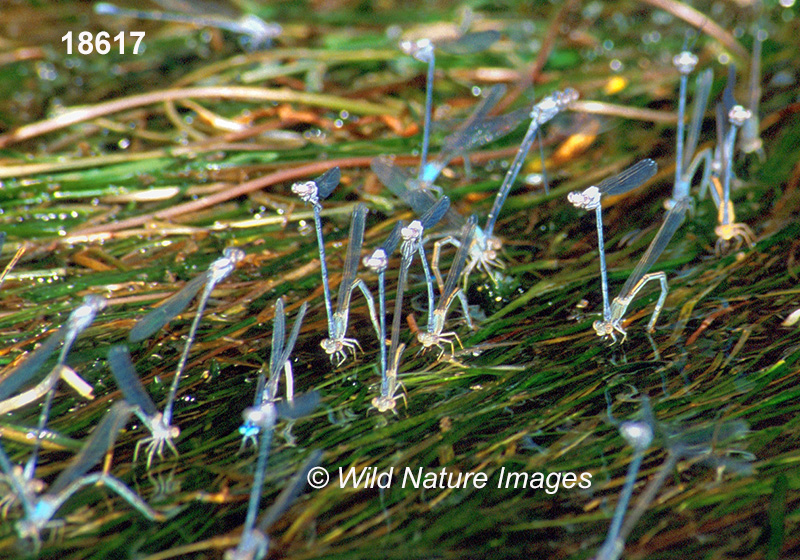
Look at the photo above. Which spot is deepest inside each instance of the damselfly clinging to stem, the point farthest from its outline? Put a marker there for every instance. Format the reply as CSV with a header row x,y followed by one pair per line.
x,y
641,276
483,250
40,507
424,51
267,387
161,424
77,322
591,199
686,162
434,335
730,118
336,344
378,262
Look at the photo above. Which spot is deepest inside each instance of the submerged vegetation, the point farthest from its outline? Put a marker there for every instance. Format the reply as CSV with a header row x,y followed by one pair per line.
x,y
126,176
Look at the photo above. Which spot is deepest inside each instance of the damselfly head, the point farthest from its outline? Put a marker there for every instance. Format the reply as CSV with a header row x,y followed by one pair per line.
x,y
589,199
412,232
685,62
377,261
306,190
421,49
738,115
638,434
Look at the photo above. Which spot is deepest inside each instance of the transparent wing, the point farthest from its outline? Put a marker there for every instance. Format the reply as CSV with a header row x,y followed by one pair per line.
x,y
698,439
260,385
702,91
278,337
465,141
398,179
201,7
354,242
393,239
722,131
470,43
101,440
478,130
671,224
301,406
209,20
164,313
490,129
728,100
289,494
119,359
628,179
451,283
327,182
14,483
27,369
298,321
478,115
435,213
474,131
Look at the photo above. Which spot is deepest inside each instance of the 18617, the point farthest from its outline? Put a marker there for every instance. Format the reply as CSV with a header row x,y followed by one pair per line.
x,y
102,42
